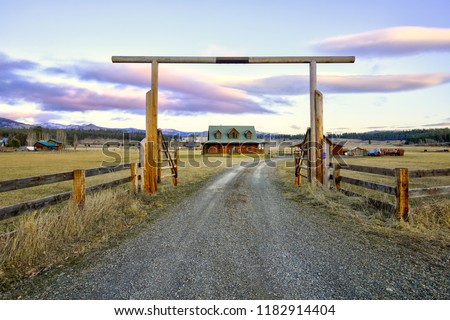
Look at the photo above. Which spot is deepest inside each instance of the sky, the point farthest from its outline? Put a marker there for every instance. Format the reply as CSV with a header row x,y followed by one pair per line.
x,y
55,63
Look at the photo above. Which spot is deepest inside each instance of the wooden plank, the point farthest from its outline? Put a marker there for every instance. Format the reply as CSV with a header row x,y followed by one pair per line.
x,y
107,185
402,195
429,173
104,170
21,183
373,170
19,208
427,192
369,185
279,59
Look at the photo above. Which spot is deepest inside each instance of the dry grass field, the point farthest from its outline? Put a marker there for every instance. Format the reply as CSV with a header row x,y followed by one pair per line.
x,y
414,159
47,238
28,164
428,215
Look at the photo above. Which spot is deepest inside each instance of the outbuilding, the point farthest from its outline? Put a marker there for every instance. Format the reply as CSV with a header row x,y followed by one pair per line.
x,y
45,145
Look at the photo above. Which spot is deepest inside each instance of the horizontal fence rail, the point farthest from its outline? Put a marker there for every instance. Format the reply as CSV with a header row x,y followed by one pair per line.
x,y
21,183
401,191
79,188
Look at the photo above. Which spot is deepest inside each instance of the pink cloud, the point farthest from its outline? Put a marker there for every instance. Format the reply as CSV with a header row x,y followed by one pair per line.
x,y
398,41
179,94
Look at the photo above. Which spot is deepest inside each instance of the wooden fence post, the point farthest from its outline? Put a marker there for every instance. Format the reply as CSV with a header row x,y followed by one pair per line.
x,y
134,178
325,165
337,175
401,192
175,177
79,187
159,173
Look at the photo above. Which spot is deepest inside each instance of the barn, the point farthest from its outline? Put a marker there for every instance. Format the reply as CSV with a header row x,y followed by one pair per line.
x,y
57,142
232,140
357,152
45,145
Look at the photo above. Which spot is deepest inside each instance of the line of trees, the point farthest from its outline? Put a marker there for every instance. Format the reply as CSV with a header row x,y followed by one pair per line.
x,y
24,137
408,136
28,137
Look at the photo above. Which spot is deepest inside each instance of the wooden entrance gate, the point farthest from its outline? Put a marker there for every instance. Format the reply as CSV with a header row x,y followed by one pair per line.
x,y
151,152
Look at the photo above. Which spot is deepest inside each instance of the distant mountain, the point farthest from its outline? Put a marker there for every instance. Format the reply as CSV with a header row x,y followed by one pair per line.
x,y
183,134
6,123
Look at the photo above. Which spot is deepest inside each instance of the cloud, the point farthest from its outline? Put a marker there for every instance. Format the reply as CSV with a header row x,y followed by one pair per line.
x,y
178,94
297,85
8,66
398,41
440,124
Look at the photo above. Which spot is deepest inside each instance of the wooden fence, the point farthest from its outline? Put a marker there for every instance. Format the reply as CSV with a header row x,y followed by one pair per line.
x,y
79,187
401,190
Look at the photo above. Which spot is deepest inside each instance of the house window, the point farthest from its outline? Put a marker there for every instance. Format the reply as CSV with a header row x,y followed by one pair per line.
x,y
218,135
233,134
248,135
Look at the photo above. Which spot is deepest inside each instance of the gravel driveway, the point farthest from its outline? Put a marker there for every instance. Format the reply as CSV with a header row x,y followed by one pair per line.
x,y
239,238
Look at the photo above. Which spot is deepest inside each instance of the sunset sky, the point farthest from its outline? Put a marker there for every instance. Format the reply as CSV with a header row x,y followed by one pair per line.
x,y
55,63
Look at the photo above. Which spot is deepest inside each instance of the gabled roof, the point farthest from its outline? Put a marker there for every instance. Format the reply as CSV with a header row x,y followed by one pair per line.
x,y
54,140
226,129
47,144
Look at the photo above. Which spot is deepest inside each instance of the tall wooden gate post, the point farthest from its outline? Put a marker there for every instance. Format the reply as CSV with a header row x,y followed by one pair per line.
x,y
151,147
312,150
401,192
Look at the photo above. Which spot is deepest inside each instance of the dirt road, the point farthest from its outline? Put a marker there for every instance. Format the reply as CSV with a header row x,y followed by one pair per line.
x,y
239,238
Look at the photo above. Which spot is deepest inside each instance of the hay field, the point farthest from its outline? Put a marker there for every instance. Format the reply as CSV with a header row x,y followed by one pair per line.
x,y
414,159
27,164
45,239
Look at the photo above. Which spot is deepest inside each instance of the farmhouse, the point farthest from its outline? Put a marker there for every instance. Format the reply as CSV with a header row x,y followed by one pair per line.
x,y
232,139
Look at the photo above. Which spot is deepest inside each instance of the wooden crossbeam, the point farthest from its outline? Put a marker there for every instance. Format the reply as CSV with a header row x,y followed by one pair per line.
x,y
233,60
